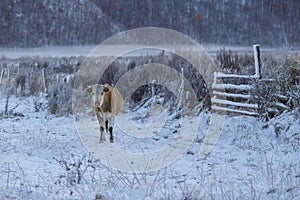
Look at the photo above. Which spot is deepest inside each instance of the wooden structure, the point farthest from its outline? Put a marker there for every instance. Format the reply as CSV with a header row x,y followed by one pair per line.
x,y
232,92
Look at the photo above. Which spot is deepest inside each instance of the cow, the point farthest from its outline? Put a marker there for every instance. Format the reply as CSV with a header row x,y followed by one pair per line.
x,y
106,102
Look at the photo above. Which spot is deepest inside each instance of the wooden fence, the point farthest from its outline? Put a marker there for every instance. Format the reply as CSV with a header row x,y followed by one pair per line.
x,y
6,73
232,93
232,97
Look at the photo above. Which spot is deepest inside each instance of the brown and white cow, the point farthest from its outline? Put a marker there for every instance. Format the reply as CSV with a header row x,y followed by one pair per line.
x,y
106,102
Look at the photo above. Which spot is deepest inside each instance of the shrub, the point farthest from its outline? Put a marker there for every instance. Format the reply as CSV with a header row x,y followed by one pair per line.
x,y
281,89
60,99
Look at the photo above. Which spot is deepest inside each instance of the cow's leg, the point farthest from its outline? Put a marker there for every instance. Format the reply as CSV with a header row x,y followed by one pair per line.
x,y
102,124
111,134
106,125
102,135
110,128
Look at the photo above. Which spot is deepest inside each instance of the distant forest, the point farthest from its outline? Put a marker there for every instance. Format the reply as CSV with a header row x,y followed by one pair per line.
x,y
34,23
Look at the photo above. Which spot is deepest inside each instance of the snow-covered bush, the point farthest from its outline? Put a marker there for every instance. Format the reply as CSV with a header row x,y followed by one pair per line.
x,y
278,93
60,99
76,168
40,103
295,100
264,95
287,80
8,110
172,85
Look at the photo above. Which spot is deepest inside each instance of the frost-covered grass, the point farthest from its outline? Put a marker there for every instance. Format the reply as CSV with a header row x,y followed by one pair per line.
x,y
42,157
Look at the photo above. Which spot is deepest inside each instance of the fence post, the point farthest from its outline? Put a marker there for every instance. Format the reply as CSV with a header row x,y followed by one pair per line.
x,y
1,75
8,74
44,79
256,49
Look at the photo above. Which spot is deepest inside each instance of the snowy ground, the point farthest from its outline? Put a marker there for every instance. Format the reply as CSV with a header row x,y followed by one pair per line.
x,y
42,157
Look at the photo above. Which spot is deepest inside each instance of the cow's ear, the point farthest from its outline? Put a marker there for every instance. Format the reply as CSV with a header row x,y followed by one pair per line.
x,y
89,89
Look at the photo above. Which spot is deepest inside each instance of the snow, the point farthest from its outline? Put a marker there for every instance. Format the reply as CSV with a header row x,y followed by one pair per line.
x,y
42,156
256,57
232,103
281,105
226,94
222,75
219,108
230,86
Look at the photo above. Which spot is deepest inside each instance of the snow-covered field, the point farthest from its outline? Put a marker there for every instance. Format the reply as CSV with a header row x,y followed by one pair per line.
x,y
42,157
108,50
48,157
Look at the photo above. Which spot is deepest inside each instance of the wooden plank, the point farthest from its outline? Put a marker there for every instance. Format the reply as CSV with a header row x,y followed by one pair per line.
x,y
281,105
222,75
231,86
231,103
219,108
281,97
226,94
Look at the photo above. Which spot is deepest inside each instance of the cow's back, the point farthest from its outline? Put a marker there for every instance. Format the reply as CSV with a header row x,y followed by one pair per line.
x,y
116,101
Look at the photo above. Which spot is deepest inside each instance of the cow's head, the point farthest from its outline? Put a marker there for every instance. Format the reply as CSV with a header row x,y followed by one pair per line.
x,y
98,91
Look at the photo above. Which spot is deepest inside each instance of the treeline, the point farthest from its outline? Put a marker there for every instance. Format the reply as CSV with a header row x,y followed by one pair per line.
x,y
51,22
79,22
